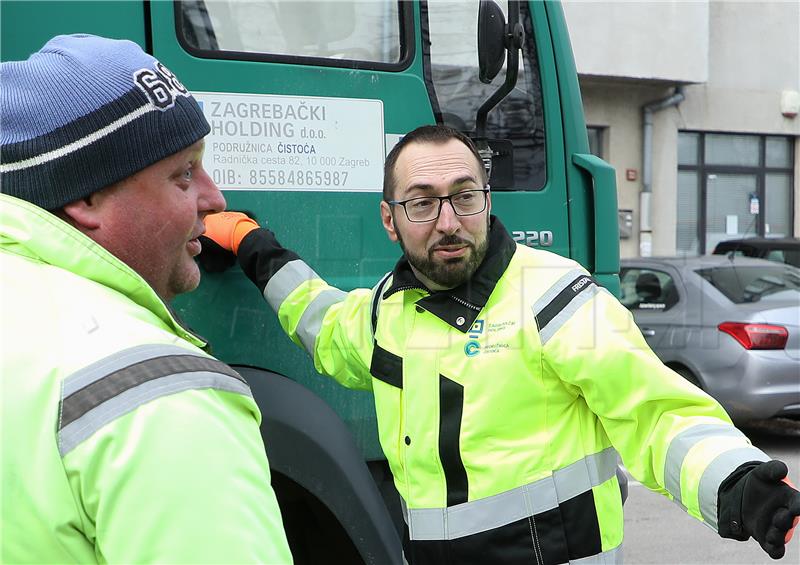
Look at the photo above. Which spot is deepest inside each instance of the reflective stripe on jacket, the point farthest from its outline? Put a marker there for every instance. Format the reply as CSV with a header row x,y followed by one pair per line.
x,y
122,440
502,403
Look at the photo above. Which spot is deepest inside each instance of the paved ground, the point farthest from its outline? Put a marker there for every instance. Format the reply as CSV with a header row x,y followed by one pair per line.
x,y
658,531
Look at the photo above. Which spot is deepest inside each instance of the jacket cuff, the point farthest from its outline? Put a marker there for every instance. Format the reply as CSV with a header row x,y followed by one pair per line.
x,y
729,502
261,256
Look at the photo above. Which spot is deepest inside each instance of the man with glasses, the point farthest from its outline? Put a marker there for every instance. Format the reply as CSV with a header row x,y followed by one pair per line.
x,y
506,381
443,243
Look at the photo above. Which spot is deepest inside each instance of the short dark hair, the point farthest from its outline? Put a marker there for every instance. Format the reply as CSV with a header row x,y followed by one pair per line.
x,y
436,134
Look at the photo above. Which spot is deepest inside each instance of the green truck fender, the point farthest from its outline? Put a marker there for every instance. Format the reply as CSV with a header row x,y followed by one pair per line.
x,y
313,457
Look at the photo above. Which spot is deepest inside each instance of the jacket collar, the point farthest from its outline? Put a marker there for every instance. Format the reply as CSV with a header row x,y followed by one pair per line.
x,y
460,306
30,231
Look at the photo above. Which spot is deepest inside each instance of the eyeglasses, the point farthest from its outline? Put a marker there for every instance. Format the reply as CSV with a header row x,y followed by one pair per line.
x,y
428,208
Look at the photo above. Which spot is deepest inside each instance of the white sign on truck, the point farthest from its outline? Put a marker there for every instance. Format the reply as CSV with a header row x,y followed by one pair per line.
x,y
265,142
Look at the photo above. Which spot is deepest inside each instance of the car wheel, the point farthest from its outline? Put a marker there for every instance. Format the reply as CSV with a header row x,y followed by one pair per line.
x,y
689,376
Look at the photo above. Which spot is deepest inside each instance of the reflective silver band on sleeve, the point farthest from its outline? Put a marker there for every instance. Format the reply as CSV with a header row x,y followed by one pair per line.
x,y
549,295
558,304
500,509
561,318
289,277
117,361
102,392
716,472
311,321
679,447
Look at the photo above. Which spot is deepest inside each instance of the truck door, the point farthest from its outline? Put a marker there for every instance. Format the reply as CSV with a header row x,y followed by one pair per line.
x,y
304,101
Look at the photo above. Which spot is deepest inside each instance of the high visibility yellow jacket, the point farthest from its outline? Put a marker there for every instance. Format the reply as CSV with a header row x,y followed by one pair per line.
x,y
502,403
122,440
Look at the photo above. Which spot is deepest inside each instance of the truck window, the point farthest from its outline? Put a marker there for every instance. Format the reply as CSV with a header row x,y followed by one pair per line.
x,y
458,93
342,30
378,35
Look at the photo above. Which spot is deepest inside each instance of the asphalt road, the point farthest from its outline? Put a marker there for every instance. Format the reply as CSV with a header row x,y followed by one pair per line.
x,y
658,531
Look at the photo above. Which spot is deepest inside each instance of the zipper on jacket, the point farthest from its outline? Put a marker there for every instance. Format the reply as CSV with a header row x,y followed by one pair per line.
x,y
465,303
452,297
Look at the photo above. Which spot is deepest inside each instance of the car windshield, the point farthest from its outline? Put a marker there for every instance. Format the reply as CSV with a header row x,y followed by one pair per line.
x,y
753,283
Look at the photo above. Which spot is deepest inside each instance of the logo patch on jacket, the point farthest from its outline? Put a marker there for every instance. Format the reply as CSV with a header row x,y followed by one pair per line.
x,y
473,347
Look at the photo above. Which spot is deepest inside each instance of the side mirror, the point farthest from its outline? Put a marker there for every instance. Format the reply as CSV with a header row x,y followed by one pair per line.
x,y
491,40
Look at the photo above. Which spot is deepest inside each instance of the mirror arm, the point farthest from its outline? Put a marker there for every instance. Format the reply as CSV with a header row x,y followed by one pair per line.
x,y
511,80
514,39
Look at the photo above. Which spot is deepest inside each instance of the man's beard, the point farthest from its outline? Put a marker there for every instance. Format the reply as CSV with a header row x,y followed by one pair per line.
x,y
448,273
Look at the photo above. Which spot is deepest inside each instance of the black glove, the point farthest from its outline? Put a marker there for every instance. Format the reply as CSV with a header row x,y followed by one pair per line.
x,y
214,258
754,501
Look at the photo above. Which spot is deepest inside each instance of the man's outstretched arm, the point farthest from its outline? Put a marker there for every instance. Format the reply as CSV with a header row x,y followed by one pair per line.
x,y
331,325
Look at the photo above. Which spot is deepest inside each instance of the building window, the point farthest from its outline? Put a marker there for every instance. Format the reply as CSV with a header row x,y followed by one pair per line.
x,y
732,186
595,140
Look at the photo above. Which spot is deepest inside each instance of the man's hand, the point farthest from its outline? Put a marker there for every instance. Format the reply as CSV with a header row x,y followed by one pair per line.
x,y
228,229
770,507
213,258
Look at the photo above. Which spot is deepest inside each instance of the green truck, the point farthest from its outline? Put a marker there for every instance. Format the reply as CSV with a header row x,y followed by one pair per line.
x,y
305,99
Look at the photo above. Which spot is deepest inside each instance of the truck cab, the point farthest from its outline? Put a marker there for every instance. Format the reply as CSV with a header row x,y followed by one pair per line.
x,y
305,99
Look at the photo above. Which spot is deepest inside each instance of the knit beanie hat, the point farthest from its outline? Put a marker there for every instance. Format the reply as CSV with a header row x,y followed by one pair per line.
x,y
85,112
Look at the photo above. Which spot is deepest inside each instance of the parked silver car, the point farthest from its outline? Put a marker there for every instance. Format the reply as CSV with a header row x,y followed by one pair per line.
x,y
730,325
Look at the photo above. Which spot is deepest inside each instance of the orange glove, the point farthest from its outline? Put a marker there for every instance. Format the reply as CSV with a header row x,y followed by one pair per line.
x,y
227,229
790,533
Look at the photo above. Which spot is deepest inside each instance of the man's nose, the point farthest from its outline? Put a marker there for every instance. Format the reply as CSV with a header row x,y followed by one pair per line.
x,y
211,199
448,221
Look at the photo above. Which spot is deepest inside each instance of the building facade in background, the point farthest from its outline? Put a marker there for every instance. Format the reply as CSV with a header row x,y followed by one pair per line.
x,y
695,104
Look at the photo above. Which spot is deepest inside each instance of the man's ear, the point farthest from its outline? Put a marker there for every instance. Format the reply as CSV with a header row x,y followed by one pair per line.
x,y
388,221
84,214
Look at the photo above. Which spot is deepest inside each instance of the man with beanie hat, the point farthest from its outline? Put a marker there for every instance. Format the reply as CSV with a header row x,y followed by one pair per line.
x,y
122,439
